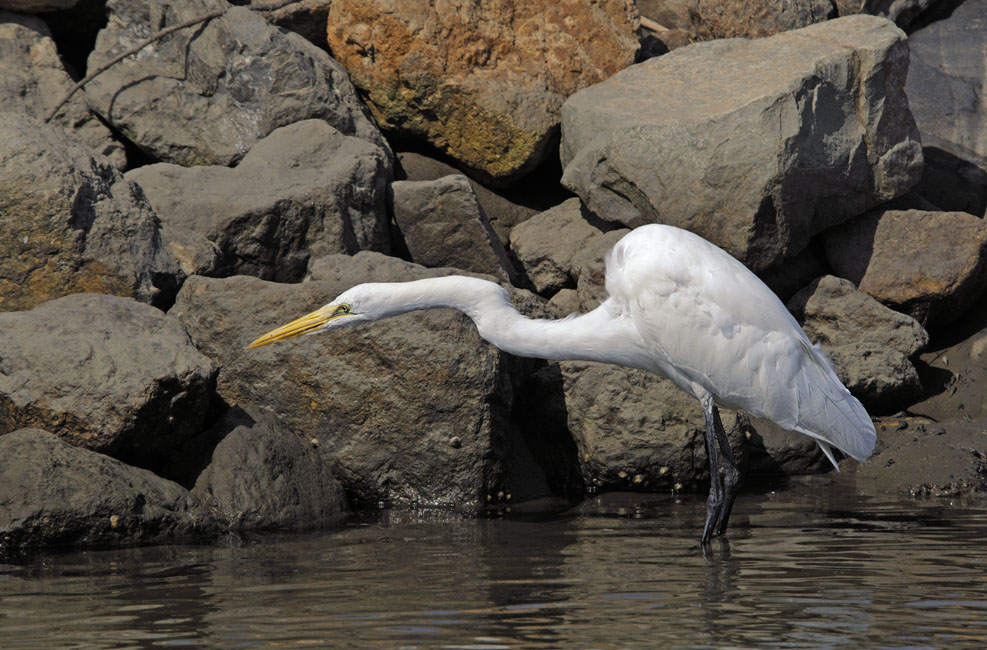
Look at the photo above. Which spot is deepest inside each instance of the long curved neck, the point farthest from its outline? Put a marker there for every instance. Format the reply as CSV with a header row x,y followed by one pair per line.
x,y
595,336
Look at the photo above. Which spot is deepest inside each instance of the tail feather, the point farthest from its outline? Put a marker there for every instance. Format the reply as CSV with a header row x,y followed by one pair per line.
x,y
829,413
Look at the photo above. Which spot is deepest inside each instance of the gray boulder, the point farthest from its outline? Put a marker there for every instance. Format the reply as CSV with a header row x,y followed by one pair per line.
x,y
547,244
947,92
304,191
56,494
263,477
415,408
205,95
70,223
105,373
756,145
443,224
635,430
931,265
871,346
504,207
33,80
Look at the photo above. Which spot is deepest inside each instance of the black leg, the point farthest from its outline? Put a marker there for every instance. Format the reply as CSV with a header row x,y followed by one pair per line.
x,y
714,502
731,482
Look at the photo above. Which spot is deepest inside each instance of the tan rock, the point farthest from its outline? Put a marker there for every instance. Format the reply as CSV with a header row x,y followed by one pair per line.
x,y
930,265
484,82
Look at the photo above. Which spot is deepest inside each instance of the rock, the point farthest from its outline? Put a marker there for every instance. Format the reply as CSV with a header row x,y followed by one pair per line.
x,y
483,82
71,224
635,430
871,346
442,224
105,373
415,408
304,191
205,95
547,244
307,18
918,457
947,92
504,207
902,12
60,495
732,18
755,145
897,257
33,80
263,477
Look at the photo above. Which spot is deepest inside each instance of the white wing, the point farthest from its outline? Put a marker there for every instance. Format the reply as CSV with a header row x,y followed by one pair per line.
x,y
714,327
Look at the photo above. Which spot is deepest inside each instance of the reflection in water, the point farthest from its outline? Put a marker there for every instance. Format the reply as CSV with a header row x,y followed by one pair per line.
x,y
804,567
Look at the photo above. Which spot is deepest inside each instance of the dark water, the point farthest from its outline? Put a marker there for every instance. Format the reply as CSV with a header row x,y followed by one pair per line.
x,y
805,567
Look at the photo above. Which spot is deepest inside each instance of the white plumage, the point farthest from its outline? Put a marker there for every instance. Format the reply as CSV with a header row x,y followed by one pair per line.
x,y
678,306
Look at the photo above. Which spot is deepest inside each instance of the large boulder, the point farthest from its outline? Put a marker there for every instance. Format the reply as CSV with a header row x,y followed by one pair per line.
x,y
871,346
757,145
55,494
263,477
947,91
71,224
415,408
304,191
105,373
931,265
442,224
205,95
33,80
483,82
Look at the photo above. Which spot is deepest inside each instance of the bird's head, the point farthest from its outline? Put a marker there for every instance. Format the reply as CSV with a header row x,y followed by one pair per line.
x,y
360,304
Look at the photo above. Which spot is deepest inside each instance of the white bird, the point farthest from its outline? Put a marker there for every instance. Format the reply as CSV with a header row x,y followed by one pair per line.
x,y
679,307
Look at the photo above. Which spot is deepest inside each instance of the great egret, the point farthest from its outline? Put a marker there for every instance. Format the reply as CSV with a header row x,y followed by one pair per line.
x,y
680,307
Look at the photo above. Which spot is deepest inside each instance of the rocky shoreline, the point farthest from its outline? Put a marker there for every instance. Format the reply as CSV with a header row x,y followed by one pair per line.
x,y
242,170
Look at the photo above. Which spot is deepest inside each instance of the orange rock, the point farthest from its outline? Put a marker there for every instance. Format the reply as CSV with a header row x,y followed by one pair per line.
x,y
483,82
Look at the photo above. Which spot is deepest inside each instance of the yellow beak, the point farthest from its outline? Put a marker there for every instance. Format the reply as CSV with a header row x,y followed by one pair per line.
x,y
304,325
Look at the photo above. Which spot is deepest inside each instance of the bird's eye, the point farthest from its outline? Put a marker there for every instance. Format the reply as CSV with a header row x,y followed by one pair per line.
x,y
343,309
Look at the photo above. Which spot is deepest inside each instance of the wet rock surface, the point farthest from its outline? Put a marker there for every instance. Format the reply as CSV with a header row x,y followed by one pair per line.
x,y
60,495
261,477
